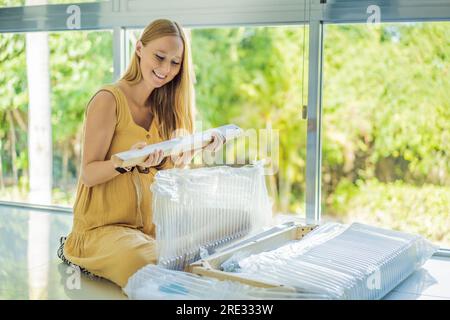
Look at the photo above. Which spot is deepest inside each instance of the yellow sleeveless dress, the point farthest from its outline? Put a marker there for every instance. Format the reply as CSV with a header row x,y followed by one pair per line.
x,y
113,231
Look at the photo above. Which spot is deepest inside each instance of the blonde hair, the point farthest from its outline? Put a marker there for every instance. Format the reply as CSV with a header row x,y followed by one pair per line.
x,y
174,103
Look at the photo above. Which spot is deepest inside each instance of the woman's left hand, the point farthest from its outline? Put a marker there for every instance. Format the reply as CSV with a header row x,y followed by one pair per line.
x,y
216,143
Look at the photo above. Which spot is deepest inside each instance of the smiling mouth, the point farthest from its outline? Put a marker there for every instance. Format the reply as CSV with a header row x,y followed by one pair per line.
x,y
158,76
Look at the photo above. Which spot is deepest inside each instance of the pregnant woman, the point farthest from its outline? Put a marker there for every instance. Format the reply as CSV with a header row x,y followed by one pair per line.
x,y
113,235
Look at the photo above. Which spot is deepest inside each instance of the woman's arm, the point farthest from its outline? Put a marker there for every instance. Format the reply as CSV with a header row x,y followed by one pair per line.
x,y
99,130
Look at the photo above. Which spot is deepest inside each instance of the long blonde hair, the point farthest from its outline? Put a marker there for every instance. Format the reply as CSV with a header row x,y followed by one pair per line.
x,y
174,103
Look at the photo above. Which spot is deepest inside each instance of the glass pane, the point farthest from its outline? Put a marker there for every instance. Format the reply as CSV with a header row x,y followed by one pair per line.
x,y
252,77
77,63
386,127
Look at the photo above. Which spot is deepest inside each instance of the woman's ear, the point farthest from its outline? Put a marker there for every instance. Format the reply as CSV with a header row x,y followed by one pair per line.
x,y
139,46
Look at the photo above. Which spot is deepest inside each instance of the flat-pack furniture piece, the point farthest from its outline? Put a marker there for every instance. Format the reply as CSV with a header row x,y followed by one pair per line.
x,y
199,210
334,260
211,266
175,146
156,282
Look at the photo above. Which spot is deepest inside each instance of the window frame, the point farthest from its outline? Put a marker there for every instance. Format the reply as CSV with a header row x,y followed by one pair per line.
x,y
120,15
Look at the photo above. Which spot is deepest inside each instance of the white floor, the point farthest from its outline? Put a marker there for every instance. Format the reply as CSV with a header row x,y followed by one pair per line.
x,y
30,269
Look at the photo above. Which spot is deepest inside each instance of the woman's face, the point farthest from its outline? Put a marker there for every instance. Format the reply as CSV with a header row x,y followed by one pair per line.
x,y
160,60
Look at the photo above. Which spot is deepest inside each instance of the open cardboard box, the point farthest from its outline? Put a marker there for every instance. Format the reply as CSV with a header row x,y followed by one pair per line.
x,y
266,241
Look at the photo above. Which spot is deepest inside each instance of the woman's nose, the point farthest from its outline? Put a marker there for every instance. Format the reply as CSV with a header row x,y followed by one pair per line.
x,y
166,67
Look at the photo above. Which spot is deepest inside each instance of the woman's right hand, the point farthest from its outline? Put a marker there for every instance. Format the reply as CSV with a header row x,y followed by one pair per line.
x,y
153,159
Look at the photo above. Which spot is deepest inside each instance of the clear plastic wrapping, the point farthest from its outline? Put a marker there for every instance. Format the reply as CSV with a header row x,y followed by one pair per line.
x,y
202,209
156,282
339,261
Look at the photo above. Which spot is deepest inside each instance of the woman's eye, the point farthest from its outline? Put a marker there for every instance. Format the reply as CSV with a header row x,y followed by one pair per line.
x,y
159,57
176,63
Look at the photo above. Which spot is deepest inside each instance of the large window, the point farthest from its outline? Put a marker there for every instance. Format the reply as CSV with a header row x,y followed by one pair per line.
x,y
75,64
385,105
386,126
252,77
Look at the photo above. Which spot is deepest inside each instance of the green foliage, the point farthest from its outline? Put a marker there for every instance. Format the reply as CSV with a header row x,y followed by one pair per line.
x,y
13,95
387,119
11,3
253,77
80,62
387,96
